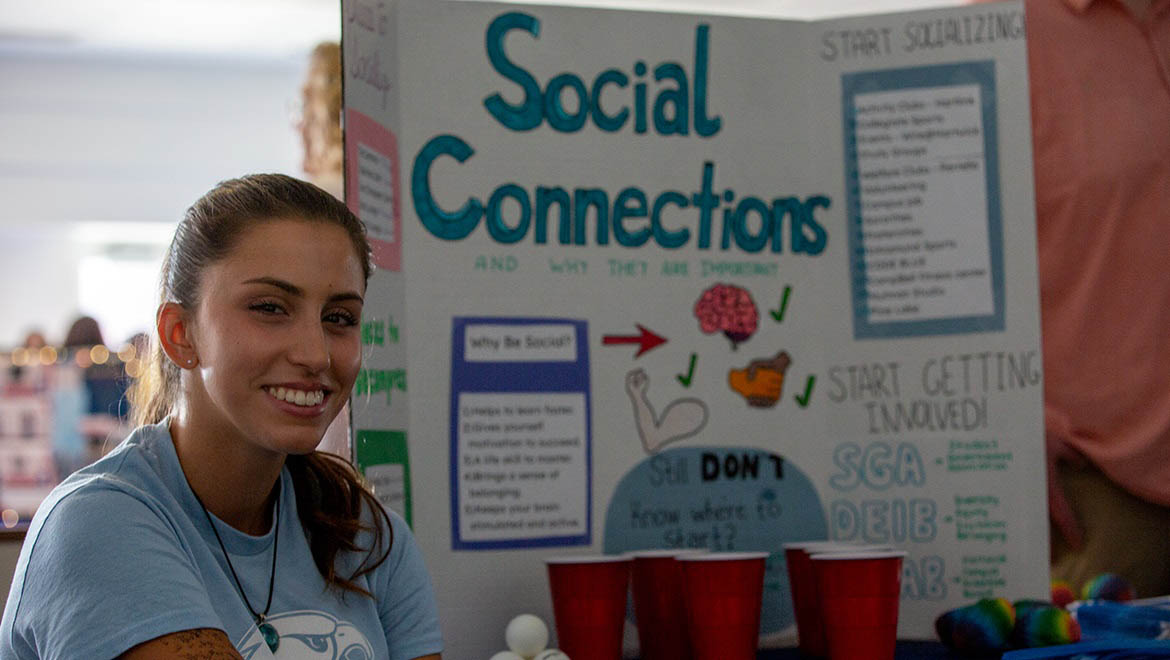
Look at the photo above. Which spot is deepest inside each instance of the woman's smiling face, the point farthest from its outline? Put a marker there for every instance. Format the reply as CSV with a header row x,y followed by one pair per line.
x,y
277,332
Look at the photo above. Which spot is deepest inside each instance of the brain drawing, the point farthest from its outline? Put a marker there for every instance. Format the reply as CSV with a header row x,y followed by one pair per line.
x,y
728,308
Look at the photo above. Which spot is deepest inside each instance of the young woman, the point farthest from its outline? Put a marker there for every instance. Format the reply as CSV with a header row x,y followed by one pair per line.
x,y
215,530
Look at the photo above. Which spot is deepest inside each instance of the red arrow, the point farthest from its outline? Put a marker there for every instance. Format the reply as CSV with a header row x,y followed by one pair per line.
x,y
647,340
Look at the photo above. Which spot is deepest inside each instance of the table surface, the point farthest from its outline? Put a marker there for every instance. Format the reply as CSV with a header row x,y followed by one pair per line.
x,y
905,651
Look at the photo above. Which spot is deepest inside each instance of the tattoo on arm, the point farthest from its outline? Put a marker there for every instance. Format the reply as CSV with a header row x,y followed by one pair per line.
x,y
198,644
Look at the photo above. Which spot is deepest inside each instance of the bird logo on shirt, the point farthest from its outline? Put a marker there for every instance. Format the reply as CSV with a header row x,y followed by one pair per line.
x,y
308,635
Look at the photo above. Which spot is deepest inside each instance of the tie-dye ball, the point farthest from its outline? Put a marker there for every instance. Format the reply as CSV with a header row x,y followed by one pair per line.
x,y
982,627
1043,624
1108,586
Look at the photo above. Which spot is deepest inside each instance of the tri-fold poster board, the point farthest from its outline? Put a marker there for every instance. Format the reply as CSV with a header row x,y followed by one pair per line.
x,y
653,279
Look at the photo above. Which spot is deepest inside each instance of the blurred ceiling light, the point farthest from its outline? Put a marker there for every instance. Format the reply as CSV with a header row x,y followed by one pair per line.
x,y
99,354
48,355
134,368
10,518
20,357
127,353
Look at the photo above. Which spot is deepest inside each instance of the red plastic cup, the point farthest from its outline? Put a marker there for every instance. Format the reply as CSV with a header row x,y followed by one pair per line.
x,y
589,604
724,594
806,604
660,605
806,601
859,602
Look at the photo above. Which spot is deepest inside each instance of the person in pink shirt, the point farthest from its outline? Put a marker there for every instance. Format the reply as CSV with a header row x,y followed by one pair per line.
x,y
1100,85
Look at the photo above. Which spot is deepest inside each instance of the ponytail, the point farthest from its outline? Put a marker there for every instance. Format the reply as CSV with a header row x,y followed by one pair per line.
x,y
330,499
155,389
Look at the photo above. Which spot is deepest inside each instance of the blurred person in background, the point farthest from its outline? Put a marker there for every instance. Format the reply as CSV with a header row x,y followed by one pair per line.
x,y
320,120
34,340
1100,89
84,332
141,343
103,419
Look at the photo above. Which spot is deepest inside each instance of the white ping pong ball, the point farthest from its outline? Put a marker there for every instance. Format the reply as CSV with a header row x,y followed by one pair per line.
x,y
506,655
526,635
551,654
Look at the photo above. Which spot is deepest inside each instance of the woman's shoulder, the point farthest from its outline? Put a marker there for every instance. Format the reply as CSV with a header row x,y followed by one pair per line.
x,y
117,490
141,461
90,507
383,516
377,521
398,542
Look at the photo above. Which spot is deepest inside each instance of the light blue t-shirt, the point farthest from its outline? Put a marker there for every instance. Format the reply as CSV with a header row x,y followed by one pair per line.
x,y
121,553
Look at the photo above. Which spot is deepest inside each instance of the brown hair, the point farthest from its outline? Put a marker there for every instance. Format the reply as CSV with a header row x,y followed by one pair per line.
x,y
330,493
85,331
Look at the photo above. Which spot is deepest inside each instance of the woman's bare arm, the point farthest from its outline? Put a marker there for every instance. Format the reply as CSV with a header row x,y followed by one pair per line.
x,y
197,644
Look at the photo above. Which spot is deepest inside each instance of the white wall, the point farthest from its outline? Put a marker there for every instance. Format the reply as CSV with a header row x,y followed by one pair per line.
x,y
40,283
109,148
798,9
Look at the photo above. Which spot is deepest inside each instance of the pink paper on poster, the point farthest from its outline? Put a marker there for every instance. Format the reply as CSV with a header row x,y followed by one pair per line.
x,y
371,186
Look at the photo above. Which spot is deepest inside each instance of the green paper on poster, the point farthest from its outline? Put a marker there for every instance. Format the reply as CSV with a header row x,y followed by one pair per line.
x,y
382,458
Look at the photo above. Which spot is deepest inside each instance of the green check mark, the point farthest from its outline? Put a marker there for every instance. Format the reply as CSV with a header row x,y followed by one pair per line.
x,y
778,314
802,399
686,380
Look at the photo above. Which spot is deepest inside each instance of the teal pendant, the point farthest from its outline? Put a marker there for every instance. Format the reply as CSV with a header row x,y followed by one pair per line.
x,y
271,637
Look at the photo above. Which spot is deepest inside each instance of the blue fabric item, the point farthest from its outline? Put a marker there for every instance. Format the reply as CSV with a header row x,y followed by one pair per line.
x,y
1102,619
1101,650
107,393
121,553
70,401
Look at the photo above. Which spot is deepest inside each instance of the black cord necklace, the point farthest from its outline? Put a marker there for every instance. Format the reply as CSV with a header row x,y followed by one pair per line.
x,y
271,637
